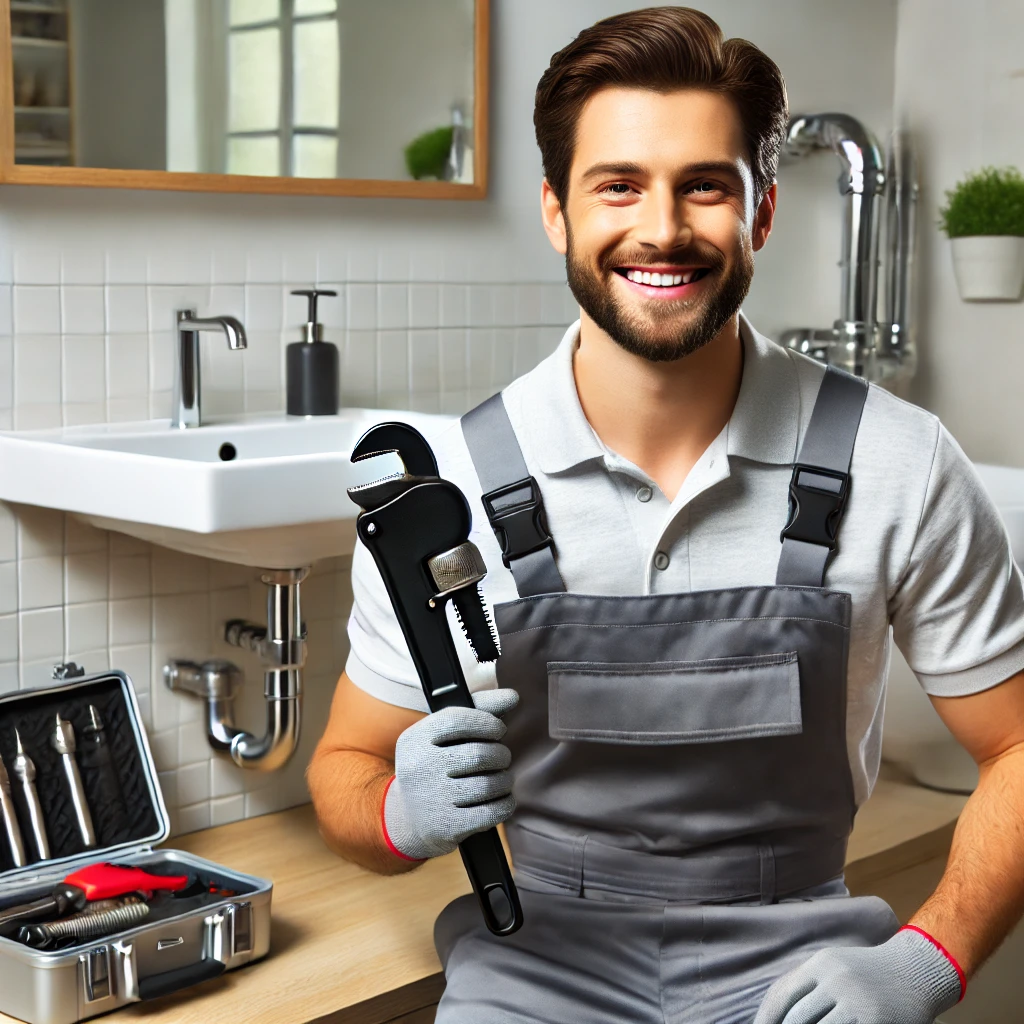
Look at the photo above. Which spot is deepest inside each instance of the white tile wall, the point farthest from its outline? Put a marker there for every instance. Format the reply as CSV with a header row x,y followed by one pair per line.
x,y
91,341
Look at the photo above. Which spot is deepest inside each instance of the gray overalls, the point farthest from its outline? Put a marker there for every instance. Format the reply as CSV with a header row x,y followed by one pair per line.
x,y
683,788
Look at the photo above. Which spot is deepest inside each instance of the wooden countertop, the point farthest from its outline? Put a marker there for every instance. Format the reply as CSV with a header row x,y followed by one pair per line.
x,y
349,946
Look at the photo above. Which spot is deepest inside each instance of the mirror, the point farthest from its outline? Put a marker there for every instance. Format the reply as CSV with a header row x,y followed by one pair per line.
x,y
345,97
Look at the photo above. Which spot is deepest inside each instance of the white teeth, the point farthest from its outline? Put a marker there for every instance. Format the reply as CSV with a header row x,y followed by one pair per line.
x,y
659,280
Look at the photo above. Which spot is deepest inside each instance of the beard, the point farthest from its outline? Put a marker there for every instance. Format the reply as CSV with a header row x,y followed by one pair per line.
x,y
659,330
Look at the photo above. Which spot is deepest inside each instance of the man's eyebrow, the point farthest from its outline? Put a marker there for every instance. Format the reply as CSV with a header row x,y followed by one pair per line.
x,y
614,169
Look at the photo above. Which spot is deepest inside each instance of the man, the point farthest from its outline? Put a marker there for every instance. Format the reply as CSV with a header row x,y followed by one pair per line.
x,y
700,704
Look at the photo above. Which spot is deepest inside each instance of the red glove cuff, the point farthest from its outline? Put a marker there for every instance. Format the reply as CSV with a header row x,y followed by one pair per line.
x,y
945,952
384,829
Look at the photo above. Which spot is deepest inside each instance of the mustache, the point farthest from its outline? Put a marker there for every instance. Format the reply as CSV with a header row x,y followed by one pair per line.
x,y
692,255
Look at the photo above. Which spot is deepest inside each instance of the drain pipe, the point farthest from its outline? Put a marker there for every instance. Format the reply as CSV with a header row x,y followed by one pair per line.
x,y
281,646
861,182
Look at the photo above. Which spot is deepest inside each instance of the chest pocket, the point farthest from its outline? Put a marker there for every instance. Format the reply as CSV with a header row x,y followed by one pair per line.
x,y
658,703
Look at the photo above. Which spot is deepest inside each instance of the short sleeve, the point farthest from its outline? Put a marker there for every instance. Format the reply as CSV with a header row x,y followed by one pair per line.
x,y
379,661
958,611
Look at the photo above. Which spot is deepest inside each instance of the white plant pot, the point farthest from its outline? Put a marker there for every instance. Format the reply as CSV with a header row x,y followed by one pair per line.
x,y
989,266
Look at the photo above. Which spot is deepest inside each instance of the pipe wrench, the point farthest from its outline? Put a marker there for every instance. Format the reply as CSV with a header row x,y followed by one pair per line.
x,y
416,526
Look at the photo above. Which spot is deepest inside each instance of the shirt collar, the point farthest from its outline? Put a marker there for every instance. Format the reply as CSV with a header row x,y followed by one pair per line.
x,y
764,426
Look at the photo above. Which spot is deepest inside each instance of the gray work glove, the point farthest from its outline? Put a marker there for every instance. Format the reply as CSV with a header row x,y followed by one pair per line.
x,y
451,777
906,980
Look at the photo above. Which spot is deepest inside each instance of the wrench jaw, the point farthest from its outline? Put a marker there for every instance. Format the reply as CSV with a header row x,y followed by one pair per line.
x,y
392,439
434,521
377,493
397,439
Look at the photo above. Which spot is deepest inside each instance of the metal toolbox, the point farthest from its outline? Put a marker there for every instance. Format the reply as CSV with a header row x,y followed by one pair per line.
x,y
182,941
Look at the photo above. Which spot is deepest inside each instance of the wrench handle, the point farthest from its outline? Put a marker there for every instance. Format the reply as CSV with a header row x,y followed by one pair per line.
x,y
488,870
430,517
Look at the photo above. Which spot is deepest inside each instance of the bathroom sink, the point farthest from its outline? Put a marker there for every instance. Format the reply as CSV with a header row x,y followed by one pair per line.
x,y
265,491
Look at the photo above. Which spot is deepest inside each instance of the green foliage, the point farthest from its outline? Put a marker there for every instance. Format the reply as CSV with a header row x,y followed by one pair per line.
x,y
427,155
988,202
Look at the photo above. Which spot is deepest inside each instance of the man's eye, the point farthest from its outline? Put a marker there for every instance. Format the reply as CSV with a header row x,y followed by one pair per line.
x,y
705,186
618,188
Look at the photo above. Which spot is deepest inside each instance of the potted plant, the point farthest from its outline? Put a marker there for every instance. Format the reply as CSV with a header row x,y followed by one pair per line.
x,y
984,219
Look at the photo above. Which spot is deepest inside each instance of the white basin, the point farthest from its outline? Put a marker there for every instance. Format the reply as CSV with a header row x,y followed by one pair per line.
x,y
278,503
914,736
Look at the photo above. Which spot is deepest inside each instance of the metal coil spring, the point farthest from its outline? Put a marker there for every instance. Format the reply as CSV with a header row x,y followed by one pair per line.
x,y
96,921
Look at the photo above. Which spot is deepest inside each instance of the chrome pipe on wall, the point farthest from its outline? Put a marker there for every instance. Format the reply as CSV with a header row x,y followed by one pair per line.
x,y
281,646
896,343
858,341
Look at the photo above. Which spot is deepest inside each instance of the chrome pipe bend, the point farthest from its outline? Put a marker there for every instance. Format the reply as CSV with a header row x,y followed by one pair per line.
x,y
274,749
863,170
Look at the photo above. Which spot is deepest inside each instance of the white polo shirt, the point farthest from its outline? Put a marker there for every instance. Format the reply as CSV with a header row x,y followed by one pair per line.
x,y
921,546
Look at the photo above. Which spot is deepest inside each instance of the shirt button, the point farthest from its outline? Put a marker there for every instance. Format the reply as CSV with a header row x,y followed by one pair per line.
x,y
644,493
660,560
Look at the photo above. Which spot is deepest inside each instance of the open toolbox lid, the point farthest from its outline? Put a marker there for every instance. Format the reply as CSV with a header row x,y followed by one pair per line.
x,y
136,826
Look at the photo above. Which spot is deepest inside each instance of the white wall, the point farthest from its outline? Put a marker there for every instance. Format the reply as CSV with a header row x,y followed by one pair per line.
x,y
403,65
960,89
442,303
114,43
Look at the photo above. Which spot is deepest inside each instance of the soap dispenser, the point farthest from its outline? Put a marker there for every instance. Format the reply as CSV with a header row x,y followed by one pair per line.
x,y
312,367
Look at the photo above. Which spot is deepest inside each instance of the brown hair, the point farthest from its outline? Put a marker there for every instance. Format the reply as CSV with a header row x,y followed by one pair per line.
x,y
664,49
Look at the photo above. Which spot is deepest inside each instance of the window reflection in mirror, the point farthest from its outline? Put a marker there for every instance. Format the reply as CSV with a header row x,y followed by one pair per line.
x,y
379,89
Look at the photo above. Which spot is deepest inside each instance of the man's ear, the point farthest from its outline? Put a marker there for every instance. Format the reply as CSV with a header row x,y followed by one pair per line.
x,y
552,217
764,217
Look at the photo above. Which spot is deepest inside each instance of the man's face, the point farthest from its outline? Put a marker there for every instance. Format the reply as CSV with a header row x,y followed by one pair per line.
x,y
660,223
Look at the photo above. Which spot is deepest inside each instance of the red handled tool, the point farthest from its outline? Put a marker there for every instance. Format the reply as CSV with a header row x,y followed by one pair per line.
x,y
107,881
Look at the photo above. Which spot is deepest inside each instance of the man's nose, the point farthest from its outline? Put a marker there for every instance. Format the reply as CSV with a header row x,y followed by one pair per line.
x,y
663,222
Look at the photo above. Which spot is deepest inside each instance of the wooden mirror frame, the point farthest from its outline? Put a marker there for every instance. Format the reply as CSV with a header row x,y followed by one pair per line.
x,y
187,181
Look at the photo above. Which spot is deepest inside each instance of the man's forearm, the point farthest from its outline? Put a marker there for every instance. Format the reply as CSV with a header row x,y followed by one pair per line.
x,y
981,895
347,787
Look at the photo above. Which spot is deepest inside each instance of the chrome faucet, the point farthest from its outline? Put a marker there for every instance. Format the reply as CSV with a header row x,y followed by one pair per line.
x,y
187,392
859,341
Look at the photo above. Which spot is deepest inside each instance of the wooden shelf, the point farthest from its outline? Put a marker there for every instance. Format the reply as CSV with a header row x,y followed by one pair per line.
x,y
28,7
43,110
42,44
41,151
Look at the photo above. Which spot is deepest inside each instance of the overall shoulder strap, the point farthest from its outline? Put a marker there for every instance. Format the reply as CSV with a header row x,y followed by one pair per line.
x,y
511,499
821,481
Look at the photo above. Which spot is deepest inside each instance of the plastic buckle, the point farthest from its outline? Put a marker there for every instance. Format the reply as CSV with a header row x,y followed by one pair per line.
x,y
518,522
817,500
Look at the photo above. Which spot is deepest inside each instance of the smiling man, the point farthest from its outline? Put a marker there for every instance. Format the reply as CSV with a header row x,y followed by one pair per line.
x,y
696,630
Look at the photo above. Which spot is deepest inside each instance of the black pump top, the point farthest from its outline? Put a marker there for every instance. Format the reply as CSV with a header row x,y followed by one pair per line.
x,y
313,294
